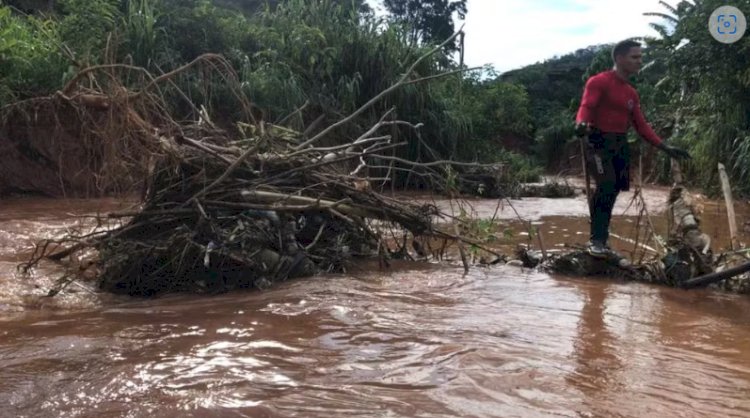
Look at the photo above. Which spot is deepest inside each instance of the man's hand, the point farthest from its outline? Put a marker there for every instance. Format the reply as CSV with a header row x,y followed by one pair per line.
x,y
674,152
583,128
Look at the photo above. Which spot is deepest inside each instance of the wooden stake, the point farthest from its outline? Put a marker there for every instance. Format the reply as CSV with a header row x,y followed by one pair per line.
x,y
461,250
586,173
541,242
726,188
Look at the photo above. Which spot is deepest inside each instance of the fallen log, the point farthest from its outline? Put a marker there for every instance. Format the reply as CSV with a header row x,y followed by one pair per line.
x,y
716,277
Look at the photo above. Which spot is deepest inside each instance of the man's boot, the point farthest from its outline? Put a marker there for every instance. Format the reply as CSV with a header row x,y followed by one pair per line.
x,y
597,249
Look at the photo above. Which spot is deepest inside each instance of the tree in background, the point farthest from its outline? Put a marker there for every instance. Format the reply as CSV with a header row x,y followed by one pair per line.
x,y
554,90
705,91
428,21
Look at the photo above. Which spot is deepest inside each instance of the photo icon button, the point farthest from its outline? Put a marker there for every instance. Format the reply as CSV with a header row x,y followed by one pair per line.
x,y
727,24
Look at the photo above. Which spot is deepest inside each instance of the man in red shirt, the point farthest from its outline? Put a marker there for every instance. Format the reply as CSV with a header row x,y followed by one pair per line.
x,y
610,105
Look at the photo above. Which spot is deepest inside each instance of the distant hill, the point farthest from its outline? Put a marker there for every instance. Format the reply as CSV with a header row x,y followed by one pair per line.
x,y
555,85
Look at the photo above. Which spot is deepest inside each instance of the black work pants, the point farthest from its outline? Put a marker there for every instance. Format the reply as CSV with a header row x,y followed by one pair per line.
x,y
608,158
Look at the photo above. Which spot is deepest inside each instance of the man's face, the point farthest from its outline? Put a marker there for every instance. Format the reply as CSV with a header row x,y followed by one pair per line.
x,y
631,61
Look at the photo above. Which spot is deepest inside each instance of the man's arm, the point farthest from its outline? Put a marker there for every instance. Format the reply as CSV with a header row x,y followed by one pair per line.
x,y
646,132
592,93
641,126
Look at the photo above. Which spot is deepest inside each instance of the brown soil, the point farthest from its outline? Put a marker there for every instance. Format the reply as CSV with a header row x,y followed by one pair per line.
x,y
45,150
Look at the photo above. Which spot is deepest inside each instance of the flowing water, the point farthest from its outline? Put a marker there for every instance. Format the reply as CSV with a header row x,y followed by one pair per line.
x,y
417,340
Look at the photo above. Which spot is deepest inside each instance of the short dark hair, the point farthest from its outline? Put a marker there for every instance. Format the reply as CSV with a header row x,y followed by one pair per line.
x,y
623,47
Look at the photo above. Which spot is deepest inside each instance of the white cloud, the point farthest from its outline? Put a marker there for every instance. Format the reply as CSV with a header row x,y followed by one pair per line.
x,y
512,33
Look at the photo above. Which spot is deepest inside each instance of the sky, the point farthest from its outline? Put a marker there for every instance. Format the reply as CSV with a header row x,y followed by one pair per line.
x,y
512,33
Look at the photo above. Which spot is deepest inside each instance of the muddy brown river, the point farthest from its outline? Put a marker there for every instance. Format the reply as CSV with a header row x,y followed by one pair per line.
x,y
417,340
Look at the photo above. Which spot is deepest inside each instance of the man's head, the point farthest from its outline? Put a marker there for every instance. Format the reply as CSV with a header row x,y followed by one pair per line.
x,y
627,56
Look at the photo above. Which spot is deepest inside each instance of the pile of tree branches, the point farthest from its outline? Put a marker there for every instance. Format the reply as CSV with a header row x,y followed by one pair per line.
x,y
233,207
232,213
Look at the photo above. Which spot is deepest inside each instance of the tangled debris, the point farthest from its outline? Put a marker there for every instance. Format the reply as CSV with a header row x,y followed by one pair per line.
x,y
234,207
246,214
685,261
548,189
224,210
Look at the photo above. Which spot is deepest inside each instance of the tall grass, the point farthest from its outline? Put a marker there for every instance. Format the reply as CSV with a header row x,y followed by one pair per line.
x,y
30,63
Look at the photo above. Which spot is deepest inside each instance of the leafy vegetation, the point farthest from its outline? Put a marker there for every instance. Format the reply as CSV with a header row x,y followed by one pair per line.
x,y
326,58
30,63
704,91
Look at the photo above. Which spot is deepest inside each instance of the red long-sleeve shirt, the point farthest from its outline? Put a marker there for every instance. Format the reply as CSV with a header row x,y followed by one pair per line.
x,y
611,104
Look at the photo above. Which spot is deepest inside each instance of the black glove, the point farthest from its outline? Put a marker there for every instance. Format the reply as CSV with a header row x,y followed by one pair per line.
x,y
582,128
674,152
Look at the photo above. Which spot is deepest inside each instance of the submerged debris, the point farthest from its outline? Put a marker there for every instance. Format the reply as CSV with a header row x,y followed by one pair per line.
x,y
686,261
247,216
231,207
548,189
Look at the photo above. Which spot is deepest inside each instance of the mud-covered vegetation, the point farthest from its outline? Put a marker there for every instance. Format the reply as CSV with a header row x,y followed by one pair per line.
x,y
299,62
